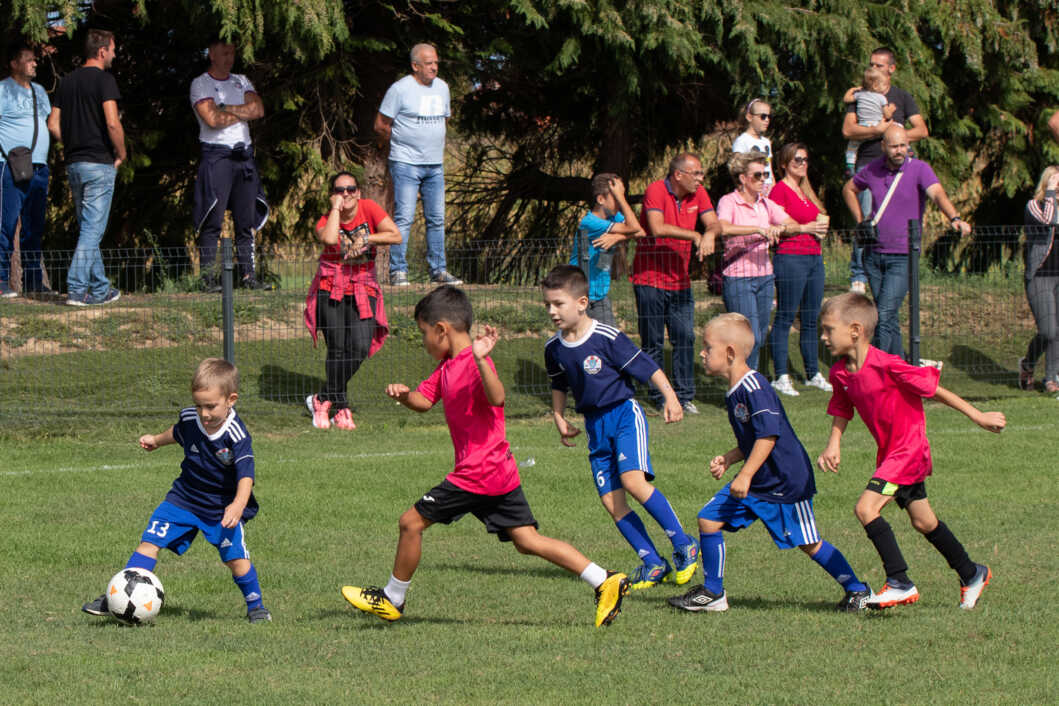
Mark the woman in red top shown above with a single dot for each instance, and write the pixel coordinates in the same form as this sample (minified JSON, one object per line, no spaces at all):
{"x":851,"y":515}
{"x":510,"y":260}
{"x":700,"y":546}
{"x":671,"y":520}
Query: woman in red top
{"x":344,"y":300}
{"x":799,"y":268}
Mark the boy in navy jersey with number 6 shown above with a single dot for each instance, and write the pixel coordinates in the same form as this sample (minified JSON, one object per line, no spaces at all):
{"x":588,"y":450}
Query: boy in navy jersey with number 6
{"x":599,"y":363}
{"x":775,"y":484}
{"x":214,"y":492}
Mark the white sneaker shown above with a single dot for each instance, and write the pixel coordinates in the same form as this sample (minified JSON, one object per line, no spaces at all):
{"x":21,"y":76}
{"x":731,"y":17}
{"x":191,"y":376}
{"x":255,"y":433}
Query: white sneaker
{"x":928,"y":363}
{"x":970,"y":593}
{"x":783,"y":385}
{"x":858,"y":287}
{"x":819,"y":382}
{"x":890,"y":596}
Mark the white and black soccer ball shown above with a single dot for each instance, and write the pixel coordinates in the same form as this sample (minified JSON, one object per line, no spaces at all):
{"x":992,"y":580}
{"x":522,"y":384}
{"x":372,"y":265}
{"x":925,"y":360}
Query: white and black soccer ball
{"x":135,"y":596}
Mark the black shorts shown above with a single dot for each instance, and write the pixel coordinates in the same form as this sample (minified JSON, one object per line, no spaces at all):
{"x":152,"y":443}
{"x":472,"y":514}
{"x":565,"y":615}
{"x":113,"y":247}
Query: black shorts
{"x":903,"y":494}
{"x":446,"y":503}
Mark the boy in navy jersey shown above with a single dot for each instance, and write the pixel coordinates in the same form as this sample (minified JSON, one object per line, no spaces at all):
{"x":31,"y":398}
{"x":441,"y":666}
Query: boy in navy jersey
{"x":599,"y":363}
{"x":775,"y":484}
{"x":214,"y":492}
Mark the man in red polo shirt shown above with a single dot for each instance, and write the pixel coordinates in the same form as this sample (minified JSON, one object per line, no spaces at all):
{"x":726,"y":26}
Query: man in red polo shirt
{"x":672,"y":207}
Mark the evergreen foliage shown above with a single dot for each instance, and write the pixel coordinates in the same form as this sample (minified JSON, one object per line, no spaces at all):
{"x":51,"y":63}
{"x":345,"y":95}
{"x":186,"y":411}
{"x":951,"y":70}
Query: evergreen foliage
{"x":547,"y":91}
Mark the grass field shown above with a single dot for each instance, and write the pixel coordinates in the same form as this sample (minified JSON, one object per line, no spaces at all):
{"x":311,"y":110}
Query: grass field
{"x":487,"y":625}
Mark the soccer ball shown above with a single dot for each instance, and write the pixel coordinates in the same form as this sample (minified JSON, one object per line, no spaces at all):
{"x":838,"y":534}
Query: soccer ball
{"x":135,"y":596}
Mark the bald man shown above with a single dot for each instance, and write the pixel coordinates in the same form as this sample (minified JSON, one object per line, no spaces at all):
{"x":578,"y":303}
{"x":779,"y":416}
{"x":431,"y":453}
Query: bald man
{"x":886,"y":261}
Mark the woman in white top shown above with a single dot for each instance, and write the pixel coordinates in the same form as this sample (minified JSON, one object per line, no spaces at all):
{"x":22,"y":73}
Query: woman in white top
{"x":758,"y":117}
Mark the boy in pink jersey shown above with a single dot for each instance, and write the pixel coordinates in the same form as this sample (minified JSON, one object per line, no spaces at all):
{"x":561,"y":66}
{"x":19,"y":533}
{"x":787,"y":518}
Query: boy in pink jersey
{"x":888,"y":393}
{"x":485,"y":480}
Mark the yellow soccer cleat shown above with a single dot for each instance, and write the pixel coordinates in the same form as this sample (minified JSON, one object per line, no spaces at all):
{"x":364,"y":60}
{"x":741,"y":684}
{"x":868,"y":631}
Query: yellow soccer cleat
{"x":685,"y":561}
{"x":608,"y":597}
{"x":372,"y":600}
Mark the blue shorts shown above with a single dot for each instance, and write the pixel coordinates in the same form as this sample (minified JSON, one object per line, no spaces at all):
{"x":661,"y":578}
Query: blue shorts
{"x":790,"y":524}
{"x":175,"y":528}
{"x":617,"y":443}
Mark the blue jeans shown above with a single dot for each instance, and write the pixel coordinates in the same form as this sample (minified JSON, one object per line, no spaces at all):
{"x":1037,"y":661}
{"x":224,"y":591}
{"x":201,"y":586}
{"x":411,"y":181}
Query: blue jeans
{"x":92,"y":186}
{"x":661,"y":309}
{"x":799,"y":288}
{"x":888,"y":279}
{"x":856,"y":255}
{"x":751,"y":297}
{"x":27,"y":201}
{"x":409,"y":181}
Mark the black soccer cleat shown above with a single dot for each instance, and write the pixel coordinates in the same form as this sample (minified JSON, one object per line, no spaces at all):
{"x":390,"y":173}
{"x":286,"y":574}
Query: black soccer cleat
{"x":259,"y":615}
{"x":854,"y":601}
{"x":96,"y":607}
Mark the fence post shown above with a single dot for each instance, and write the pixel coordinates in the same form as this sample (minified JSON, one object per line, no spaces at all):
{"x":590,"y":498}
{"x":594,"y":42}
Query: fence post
{"x":915,"y":244}
{"x":227,"y":311}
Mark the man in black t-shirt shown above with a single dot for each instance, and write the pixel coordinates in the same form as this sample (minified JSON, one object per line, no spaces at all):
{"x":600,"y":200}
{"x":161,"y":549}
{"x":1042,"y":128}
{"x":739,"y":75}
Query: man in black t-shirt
{"x":906,"y":114}
{"x":84,"y":117}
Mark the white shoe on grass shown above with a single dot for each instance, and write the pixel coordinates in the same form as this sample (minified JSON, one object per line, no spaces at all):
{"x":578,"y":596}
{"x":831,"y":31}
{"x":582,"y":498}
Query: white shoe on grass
{"x":784,"y":386}
{"x":819,"y":382}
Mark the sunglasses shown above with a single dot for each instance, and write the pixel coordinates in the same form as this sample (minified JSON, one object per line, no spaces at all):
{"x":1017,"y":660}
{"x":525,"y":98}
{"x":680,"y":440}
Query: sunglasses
{"x":757,"y":176}
{"x":763,"y":116}
{"x":699,"y":174}
{"x":345,"y":190}
{"x":801,"y":160}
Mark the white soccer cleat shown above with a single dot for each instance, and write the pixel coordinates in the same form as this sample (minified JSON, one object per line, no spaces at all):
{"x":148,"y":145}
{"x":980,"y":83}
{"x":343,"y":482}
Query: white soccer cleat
{"x":890,"y":596}
{"x":970,"y":593}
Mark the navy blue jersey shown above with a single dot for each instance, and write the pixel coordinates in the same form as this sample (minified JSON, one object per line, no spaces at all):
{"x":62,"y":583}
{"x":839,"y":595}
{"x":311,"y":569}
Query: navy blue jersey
{"x":212,"y":466}
{"x":599,"y":369}
{"x":754,"y":411}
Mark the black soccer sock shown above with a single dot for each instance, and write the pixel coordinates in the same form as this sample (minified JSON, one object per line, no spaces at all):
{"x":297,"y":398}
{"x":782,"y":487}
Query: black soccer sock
{"x":945,"y":542}
{"x":882,"y":536}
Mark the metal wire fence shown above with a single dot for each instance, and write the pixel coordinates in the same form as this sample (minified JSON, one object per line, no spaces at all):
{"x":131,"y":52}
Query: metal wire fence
{"x":137,"y":354}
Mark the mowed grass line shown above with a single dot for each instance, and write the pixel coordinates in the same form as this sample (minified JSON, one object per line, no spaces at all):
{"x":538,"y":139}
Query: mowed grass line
{"x":487,"y":625}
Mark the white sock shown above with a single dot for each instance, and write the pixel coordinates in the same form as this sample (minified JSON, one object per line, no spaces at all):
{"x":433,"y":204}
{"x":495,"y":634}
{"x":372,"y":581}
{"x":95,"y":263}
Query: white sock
{"x":395,"y":590}
{"x":594,"y":575}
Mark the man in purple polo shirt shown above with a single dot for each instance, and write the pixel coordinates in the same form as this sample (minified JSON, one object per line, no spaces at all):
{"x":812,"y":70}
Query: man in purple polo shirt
{"x":886,"y":262}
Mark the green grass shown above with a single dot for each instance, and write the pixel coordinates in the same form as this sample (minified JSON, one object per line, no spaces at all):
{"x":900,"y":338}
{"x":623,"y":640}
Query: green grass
{"x":487,"y":625}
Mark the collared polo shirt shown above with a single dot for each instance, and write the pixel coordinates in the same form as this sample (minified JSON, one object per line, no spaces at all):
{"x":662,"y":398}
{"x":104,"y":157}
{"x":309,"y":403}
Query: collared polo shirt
{"x":663,"y":262}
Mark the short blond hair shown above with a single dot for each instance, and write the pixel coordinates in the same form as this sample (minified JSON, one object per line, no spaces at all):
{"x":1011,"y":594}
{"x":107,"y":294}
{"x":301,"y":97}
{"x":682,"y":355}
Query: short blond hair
{"x":741,"y":161}
{"x":852,"y":307}
{"x":874,"y":80}
{"x":216,"y":372}
{"x":733,"y":329}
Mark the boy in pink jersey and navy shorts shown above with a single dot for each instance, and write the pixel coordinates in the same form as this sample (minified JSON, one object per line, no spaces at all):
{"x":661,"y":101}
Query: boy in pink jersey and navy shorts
{"x":485,"y":481}
{"x":888,"y":394}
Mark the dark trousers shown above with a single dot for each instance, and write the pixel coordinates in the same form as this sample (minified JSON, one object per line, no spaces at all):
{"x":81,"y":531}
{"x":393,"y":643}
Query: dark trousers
{"x":348,"y":338}
{"x":235,"y":186}
{"x":660,"y":310}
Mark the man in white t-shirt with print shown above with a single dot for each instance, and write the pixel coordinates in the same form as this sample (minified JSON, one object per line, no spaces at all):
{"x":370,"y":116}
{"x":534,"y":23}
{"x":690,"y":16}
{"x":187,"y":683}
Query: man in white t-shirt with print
{"x":412,"y":119}
{"x":224,"y":104}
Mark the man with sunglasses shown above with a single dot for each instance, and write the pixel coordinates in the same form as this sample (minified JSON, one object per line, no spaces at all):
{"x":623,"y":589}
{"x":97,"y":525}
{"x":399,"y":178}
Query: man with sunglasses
{"x":224,"y":104}
{"x":412,"y":119}
{"x":672,"y":209}
{"x":905,"y":114}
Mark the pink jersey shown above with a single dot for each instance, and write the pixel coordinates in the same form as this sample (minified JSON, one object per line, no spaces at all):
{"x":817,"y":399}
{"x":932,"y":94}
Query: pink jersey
{"x":888,"y":394}
{"x":484,"y":464}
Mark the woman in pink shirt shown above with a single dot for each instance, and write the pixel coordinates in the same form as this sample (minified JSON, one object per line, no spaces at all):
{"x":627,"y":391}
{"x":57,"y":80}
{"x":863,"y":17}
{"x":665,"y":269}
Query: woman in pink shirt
{"x":345,"y":300}
{"x":799,"y":269}
{"x":749,"y":224}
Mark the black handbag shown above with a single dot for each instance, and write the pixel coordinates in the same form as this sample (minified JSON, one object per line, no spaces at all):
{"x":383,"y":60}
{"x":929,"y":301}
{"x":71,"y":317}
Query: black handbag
{"x":20,"y":159}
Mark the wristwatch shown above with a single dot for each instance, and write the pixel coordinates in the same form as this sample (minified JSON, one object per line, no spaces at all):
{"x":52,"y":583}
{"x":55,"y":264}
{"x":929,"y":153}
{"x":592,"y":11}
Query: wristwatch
{"x":952,"y":221}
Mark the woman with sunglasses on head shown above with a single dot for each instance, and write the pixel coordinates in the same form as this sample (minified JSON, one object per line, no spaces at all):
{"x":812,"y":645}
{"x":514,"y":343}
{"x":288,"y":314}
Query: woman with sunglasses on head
{"x":799,"y":267}
{"x":750,"y":223}
{"x":758,"y":119}
{"x":345,"y":300}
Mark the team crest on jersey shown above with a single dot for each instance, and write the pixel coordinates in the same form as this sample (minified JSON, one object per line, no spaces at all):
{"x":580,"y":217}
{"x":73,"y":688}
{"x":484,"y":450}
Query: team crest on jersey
{"x":741,"y":412}
{"x":225,"y":456}
{"x":592,"y":364}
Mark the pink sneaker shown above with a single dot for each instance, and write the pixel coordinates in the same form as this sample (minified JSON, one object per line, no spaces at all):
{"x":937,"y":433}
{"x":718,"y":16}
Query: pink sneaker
{"x":343,"y":419}
{"x":320,"y":410}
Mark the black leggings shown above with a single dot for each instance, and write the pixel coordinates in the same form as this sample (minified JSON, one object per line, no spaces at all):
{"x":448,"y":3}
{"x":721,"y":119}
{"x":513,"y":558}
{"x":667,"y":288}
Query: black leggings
{"x":348,"y":339}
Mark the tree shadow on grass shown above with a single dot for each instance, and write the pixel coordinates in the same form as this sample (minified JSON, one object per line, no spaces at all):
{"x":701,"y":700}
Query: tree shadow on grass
{"x":277,"y":384}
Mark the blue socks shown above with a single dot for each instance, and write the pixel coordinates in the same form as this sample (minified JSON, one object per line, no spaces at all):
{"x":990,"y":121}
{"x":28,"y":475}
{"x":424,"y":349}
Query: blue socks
{"x":140,"y":561}
{"x":663,"y":514}
{"x":712,"y":554}
{"x":251,"y":589}
{"x":835,"y":564}
{"x":631,"y":527}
